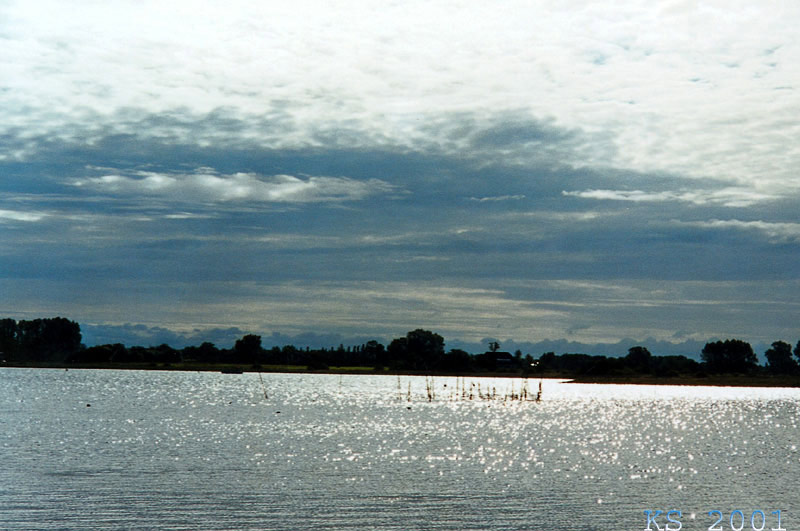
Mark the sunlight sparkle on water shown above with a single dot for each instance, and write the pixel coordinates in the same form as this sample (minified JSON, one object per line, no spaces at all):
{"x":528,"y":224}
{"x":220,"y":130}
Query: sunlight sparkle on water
{"x":356,"y":453}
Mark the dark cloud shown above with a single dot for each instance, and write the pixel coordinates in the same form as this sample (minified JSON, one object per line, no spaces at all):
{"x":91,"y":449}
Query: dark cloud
{"x":689,"y":348}
{"x":475,"y":202}
{"x":513,"y":133}
{"x":142,"y":335}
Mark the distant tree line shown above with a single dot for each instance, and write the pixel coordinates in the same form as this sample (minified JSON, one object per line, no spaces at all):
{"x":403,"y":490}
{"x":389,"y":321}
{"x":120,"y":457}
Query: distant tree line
{"x":57,"y":341}
{"x":39,"y":340}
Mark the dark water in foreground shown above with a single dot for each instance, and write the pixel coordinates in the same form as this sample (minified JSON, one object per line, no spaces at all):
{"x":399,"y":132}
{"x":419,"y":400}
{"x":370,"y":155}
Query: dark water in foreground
{"x":189,"y":451}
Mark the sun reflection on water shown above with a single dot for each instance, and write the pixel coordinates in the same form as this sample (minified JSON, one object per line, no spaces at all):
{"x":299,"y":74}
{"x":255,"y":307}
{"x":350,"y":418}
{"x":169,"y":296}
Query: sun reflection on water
{"x":356,"y":453}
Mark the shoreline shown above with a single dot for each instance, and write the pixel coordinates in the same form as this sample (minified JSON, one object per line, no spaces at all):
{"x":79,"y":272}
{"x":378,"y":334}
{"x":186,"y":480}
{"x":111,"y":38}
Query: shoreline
{"x":724,"y":380}
{"x":714,"y":380}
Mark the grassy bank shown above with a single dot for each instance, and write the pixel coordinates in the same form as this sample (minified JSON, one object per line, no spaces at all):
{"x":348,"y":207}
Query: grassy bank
{"x":725,"y":380}
{"x":194,"y":367}
{"x":731,"y":380}
{"x":245,"y":368}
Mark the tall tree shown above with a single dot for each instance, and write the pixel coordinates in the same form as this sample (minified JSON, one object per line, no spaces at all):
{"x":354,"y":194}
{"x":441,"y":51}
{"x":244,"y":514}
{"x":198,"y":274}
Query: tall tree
{"x":8,"y":338}
{"x":419,"y":350}
{"x":779,"y":358}
{"x":396,"y":352}
{"x":48,"y":339}
{"x":731,"y":355}
{"x":639,"y":359}
{"x":248,"y":349}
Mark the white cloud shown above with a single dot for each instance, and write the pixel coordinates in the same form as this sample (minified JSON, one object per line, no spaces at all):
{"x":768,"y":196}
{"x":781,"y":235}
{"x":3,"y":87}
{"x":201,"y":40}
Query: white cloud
{"x":622,"y":195}
{"x":495,"y":198}
{"x":776,"y":232}
{"x":187,"y":215}
{"x":365,"y":307}
{"x":206,"y":186}
{"x":703,"y":90}
{"x":730,"y":197}
{"x":548,"y":215}
{"x":17,"y":215}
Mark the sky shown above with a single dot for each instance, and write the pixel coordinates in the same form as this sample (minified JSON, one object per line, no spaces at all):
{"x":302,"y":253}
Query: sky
{"x":590,"y":174}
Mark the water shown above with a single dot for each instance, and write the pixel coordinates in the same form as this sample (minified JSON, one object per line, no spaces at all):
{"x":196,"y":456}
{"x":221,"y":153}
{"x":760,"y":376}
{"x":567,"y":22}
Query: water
{"x":84,"y":449}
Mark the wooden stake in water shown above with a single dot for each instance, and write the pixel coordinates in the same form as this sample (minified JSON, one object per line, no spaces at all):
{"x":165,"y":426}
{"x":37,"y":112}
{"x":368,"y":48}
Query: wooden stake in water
{"x":263,"y":387}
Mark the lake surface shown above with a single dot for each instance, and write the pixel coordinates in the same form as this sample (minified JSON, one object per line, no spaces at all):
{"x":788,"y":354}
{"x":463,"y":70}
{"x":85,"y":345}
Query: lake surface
{"x":90,"y":449}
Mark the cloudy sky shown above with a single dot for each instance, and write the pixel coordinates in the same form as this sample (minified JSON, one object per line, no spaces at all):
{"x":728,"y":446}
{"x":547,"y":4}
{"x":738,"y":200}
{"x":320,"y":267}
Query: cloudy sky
{"x":584,"y":171}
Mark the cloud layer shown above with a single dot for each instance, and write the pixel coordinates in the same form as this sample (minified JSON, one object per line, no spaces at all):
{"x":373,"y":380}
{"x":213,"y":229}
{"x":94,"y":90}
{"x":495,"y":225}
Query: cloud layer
{"x":527,"y":171}
{"x":204,"y":185}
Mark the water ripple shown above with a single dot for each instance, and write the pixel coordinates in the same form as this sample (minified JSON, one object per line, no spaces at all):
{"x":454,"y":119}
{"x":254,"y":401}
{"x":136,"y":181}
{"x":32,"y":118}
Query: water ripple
{"x":170,"y":450}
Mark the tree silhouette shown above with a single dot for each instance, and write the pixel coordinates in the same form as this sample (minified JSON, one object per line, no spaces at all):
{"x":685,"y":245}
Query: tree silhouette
{"x":248,"y":349}
{"x":48,"y":339}
{"x":731,"y":355}
{"x":419,"y":350}
{"x":8,"y":338}
{"x":779,"y":358}
{"x":639,"y":358}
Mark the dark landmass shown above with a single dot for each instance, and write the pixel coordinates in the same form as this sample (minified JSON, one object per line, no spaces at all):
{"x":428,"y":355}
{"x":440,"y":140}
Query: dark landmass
{"x":716,"y":380}
{"x":56,"y":343}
